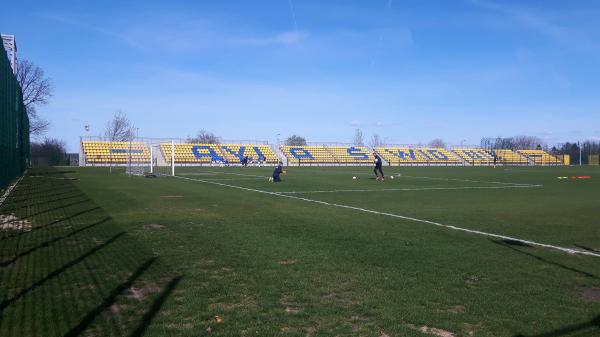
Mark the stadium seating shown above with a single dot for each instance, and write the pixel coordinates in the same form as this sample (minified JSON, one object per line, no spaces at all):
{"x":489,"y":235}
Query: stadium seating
{"x":104,"y":153}
{"x":235,"y":152}
{"x":190,"y":153}
{"x":541,"y":157}
{"x":308,"y":155}
{"x":509,"y":157}
{"x":210,"y":153}
{"x":475,"y":156}
{"x":417,"y":156}
{"x":326,"y":154}
{"x":350,"y":154}
{"x":101,"y":152}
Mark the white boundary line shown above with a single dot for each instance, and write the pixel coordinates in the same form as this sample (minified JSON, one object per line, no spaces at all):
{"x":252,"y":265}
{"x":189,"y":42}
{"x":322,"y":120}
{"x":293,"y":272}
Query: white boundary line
{"x":498,"y":236}
{"x":10,"y":189}
{"x":414,"y":189}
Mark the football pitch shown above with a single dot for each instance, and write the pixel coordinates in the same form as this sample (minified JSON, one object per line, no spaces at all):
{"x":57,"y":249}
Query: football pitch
{"x":436,"y":251}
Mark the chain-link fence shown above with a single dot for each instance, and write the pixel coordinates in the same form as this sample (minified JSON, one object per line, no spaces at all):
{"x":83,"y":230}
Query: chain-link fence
{"x":14,"y":125}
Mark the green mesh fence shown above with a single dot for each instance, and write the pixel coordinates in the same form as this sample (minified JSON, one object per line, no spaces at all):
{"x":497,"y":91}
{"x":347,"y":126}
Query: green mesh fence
{"x":14,"y":125}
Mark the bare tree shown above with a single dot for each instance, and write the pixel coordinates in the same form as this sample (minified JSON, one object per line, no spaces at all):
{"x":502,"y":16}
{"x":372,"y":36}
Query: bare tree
{"x":295,"y":140}
{"x":49,"y":152}
{"x":204,"y":137}
{"x":375,"y":141}
{"x":438,"y":142}
{"x":527,"y":142}
{"x":120,"y":128}
{"x":358,"y":138}
{"x":37,"y":90}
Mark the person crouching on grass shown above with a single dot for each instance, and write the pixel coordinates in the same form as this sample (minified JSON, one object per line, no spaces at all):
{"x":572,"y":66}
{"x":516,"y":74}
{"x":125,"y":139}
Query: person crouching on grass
{"x":378,"y":167}
{"x":277,"y":172}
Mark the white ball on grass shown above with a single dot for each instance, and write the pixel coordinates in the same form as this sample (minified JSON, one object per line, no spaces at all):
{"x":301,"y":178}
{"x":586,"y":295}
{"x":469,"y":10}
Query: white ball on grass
{"x":354,"y":177}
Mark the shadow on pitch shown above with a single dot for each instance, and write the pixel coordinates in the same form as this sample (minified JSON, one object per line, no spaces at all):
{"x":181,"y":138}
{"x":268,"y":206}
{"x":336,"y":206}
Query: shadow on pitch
{"x":51,"y":241}
{"x":591,"y":326}
{"x":56,"y":272}
{"x":586,"y":248}
{"x":511,"y":244}
{"x":75,"y":266}
{"x":155,"y":308}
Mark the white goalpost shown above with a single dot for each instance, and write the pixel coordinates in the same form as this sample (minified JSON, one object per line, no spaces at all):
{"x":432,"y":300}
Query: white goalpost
{"x":162,"y":154}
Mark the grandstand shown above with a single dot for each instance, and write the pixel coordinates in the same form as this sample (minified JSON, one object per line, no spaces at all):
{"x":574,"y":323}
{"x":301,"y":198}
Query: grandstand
{"x":307,"y":154}
{"x":475,"y":156}
{"x":101,"y":152}
{"x":350,"y":154}
{"x":189,"y":153}
{"x":541,"y":157}
{"x":196,"y":153}
{"x":325,"y":154}
{"x":104,"y":152}
{"x":234,"y":153}
{"x":509,"y":157}
{"x":417,"y":156}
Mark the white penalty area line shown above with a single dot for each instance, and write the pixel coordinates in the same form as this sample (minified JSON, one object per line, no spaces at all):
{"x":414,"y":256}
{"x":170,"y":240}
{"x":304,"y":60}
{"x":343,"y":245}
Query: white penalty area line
{"x":236,"y":179}
{"x":468,"y":180}
{"x":239,"y":174}
{"x":415,"y":189}
{"x":497,"y":236}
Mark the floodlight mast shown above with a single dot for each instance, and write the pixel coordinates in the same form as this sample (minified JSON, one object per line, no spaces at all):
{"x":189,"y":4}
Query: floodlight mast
{"x":10,"y":45}
{"x":172,"y":158}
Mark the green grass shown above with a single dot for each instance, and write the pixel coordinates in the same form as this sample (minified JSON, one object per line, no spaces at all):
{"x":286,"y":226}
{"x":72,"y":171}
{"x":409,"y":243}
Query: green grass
{"x":129,"y":256}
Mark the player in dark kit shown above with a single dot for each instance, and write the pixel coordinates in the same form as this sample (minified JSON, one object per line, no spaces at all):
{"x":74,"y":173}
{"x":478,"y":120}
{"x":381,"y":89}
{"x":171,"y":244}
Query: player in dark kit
{"x":378,"y":167}
{"x":277,"y":172}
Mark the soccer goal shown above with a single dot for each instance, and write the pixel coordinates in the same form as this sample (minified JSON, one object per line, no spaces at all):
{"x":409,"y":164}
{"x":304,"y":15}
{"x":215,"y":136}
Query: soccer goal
{"x":162,"y":154}
{"x":139,"y":156}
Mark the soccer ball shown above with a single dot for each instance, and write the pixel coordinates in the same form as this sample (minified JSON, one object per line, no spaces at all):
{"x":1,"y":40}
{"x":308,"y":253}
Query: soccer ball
{"x":391,"y":177}
{"x":354,"y":178}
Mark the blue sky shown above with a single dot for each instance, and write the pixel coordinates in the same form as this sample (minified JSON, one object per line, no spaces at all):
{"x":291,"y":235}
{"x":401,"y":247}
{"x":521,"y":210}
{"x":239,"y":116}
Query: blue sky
{"x":410,"y":70}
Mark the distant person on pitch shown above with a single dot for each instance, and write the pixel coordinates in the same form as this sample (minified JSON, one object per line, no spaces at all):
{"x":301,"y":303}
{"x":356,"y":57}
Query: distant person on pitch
{"x":378,"y":167}
{"x":277,"y":172}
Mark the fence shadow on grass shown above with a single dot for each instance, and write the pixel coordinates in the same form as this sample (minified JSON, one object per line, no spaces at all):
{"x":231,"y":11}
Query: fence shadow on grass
{"x":109,"y":300}
{"x":591,"y":326}
{"x":505,"y":243}
{"x":586,"y":248}
{"x":71,"y":267}
{"x":49,"y":242}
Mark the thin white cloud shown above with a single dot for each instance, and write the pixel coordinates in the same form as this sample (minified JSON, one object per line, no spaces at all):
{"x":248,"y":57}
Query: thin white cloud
{"x":536,"y":20}
{"x":176,"y":34}
{"x":283,"y":39}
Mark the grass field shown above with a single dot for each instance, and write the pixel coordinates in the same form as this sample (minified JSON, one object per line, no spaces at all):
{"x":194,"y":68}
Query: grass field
{"x":223,"y":252}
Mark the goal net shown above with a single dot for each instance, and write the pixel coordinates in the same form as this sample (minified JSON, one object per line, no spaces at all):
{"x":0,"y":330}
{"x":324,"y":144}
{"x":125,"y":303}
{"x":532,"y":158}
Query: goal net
{"x":162,"y":155}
